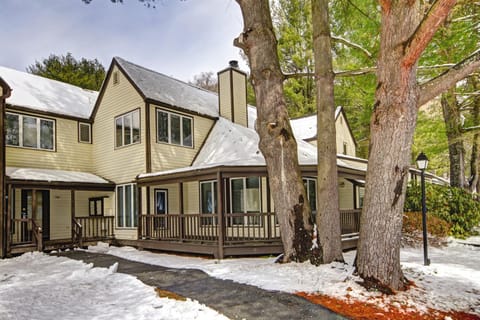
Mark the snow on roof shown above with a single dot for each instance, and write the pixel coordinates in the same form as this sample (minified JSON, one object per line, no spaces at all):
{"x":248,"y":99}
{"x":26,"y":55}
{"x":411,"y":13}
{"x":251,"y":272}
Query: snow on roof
{"x":39,"y":93}
{"x":52,"y":175}
{"x":159,"y":87}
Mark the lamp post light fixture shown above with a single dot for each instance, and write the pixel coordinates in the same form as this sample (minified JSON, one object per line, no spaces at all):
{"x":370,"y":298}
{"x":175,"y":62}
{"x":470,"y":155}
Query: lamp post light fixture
{"x":422,"y":164}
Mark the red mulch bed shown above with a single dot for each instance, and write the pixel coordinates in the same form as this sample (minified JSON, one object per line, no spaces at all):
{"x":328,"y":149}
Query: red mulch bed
{"x":358,"y":310}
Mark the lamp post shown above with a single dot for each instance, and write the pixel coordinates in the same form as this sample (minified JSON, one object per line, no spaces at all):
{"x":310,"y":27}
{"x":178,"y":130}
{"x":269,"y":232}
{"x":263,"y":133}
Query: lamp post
{"x":422,"y":163}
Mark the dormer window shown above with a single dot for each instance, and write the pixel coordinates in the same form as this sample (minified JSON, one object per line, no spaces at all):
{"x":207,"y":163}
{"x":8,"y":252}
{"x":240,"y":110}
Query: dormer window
{"x":174,"y":128}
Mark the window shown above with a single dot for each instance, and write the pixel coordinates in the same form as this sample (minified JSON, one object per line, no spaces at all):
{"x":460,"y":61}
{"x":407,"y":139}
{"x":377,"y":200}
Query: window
{"x":174,"y":129}
{"x":344,"y":147}
{"x":311,"y":190}
{"x":29,"y":132}
{"x":95,"y":206}
{"x":245,"y":198}
{"x":127,"y":129}
{"x":161,"y":208}
{"x":84,"y":133}
{"x":208,"y":201}
{"x":127,"y":215}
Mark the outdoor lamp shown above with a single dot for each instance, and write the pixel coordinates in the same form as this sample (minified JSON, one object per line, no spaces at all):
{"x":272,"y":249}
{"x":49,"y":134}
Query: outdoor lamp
{"x":422,"y":163}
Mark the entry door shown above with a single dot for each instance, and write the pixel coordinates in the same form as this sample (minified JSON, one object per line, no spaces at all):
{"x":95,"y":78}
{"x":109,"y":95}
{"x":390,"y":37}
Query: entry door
{"x":42,"y":199}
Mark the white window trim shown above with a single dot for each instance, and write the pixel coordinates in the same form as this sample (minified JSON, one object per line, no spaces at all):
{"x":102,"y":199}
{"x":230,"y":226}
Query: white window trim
{"x":133,"y":202}
{"x":20,"y":132}
{"x":307,"y":190}
{"x":89,"y":132}
{"x":131,"y":129}
{"x":181,"y":116}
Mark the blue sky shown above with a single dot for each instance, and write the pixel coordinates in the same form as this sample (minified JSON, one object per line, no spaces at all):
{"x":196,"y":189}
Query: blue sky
{"x":177,"y":38}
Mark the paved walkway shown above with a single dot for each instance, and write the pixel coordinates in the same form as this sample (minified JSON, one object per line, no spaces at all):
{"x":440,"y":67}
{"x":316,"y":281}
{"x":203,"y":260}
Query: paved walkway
{"x":234,"y":300}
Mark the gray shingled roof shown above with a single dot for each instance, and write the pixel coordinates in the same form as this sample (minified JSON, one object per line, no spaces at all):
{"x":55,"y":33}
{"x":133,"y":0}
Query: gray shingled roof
{"x":170,"y":91}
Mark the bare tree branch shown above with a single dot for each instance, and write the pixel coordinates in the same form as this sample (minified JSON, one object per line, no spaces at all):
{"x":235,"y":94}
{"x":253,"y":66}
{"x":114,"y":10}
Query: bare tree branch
{"x":447,"y":79}
{"x":352,"y":44}
{"x":425,"y":31}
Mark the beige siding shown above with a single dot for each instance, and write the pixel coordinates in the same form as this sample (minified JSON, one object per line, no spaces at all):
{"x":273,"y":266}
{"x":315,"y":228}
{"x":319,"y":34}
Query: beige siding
{"x":345,"y":194}
{"x":69,"y":154}
{"x":120,"y":165}
{"x":225,"y":94}
{"x":191,"y":194}
{"x":173,"y":205}
{"x":239,"y":98}
{"x":168,"y":156}
{"x":60,"y":214}
{"x":344,"y":137}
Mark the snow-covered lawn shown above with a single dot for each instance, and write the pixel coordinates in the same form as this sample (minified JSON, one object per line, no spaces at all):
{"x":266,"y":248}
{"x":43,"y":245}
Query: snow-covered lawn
{"x":38,"y":286}
{"x":451,"y":282}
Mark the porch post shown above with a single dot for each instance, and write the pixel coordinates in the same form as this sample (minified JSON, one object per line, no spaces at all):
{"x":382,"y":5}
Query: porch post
{"x":10,"y":205}
{"x":221,"y":222}
{"x":148,"y":220}
{"x":72,"y":211}
{"x":139,"y":212}
{"x":355,"y":204}
{"x":34,"y":205}
{"x":269,"y":208}
{"x":181,"y":210}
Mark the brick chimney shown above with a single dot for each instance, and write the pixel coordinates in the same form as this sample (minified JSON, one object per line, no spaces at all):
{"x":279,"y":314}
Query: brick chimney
{"x":232,"y":94}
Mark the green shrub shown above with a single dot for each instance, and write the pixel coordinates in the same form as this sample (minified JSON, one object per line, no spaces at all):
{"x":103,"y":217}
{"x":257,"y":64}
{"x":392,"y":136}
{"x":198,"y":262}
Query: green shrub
{"x":454,"y":205}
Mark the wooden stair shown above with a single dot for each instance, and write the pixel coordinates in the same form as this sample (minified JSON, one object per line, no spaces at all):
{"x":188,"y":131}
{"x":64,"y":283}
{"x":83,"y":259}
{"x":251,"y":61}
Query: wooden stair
{"x":22,"y":248}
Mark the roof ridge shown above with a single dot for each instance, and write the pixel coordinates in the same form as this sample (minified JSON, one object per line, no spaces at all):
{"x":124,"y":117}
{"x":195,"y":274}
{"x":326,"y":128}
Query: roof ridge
{"x":164,"y":75}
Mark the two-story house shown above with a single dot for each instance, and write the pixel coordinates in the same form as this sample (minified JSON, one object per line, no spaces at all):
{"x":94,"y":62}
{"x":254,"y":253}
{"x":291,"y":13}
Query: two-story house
{"x":149,"y":161}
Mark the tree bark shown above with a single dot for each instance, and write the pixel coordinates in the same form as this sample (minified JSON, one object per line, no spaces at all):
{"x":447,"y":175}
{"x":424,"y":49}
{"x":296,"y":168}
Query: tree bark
{"x":456,"y":151}
{"x":328,"y":212}
{"x":277,"y":142}
{"x":475,"y":157}
{"x":392,"y":126}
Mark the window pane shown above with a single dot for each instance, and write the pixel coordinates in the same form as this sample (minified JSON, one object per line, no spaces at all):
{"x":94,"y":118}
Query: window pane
{"x":312,"y":195}
{"x":162,"y":126}
{"x":161,"y":201}
{"x":134,"y":209}
{"x":92,"y":207}
{"x":120,"y":211}
{"x":46,"y":134}
{"x":187,"y":132}
{"x":29,"y":132}
{"x":84,"y":132}
{"x":206,"y":191}
{"x":12,"y":130}
{"x":118,"y":132}
{"x":127,"y":125}
{"x":253,"y":194}
{"x":128,"y":205}
{"x":136,"y":127}
{"x":175,"y":129}
{"x":237,"y":195}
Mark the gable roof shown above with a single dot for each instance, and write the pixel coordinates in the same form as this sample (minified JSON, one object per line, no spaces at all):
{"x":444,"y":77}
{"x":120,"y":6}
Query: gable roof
{"x":6,"y":88}
{"x":165,"y":90}
{"x":305,"y":128}
{"x":41,"y":94}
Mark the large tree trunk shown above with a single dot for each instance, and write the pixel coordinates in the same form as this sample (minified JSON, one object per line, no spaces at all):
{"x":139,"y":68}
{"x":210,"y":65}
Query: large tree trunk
{"x":456,"y":151}
{"x":392,"y":126}
{"x":277,"y":142}
{"x":475,"y":158}
{"x":328,"y":213}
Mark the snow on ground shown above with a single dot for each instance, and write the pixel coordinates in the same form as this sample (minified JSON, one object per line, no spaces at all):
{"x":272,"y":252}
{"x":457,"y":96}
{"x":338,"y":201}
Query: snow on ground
{"x":38,"y":286}
{"x":451,"y":282}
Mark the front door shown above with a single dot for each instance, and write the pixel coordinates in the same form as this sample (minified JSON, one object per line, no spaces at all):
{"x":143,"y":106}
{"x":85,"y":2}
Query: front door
{"x":42,"y":205}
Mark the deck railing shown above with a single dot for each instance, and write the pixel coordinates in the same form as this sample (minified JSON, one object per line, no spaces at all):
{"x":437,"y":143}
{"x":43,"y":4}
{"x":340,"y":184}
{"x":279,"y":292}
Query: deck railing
{"x":26,"y":232}
{"x":237,"y":227}
{"x":93,"y":228}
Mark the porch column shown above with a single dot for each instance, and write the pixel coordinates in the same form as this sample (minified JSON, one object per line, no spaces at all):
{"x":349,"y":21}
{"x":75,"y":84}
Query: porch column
{"x":269,"y":209}
{"x":34,"y":205}
{"x":139,"y":212}
{"x":148,"y":219}
{"x":221,"y":222}
{"x":355,"y":202}
{"x":181,"y":210}
{"x":10,"y":207}
{"x":72,"y":211}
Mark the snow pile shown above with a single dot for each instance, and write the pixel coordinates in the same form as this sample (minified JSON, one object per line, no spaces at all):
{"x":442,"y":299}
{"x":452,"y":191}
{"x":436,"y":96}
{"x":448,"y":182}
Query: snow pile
{"x":451,"y":282}
{"x":37,"y":286}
